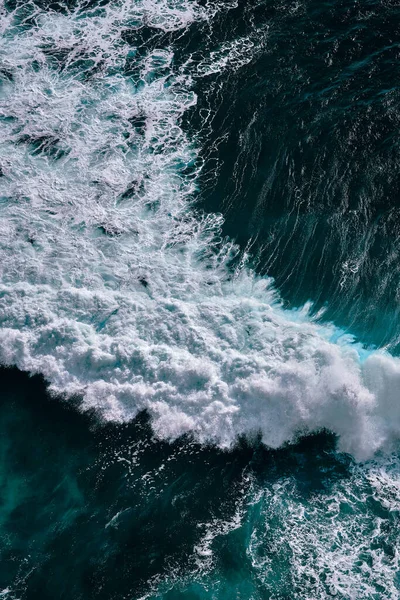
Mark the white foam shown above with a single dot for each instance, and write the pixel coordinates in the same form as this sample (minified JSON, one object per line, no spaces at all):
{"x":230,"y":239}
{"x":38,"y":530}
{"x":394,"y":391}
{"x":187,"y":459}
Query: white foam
{"x":127,"y":298}
{"x":234,"y":54}
{"x":331,"y":543}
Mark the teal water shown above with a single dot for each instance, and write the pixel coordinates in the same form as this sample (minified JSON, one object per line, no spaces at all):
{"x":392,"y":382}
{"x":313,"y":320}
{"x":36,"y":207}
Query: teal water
{"x":199,"y":300}
{"x":110,"y":512}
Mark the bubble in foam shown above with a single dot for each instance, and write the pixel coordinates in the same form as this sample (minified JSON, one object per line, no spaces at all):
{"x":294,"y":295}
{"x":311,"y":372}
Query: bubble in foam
{"x":114,"y":288}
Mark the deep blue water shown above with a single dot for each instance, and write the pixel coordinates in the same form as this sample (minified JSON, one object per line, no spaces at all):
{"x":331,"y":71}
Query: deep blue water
{"x":306,"y":141}
{"x":199,"y":300}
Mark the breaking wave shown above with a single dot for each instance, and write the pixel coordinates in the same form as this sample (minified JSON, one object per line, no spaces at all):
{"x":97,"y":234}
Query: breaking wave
{"x":113,"y":285}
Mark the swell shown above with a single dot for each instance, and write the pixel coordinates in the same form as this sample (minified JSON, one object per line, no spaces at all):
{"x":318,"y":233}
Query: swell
{"x":113,"y":285}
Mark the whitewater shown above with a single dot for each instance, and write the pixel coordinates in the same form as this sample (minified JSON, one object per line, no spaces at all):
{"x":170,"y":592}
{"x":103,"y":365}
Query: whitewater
{"x":114,"y":286}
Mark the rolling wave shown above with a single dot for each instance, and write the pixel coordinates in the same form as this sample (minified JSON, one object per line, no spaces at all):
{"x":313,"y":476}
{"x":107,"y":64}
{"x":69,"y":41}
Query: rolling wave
{"x":113,"y":285}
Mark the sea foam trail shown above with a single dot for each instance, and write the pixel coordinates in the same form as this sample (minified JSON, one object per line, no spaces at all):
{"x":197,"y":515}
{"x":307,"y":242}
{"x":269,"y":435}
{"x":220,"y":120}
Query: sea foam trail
{"x":113,"y":288}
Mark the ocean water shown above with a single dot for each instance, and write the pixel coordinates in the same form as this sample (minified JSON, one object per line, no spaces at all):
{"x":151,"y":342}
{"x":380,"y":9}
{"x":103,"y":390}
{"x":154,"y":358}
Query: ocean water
{"x":199,"y":334}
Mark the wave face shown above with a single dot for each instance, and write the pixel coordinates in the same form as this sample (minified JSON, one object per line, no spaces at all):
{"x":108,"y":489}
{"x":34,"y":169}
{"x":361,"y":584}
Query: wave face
{"x":114,"y":286}
{"x":307,"y":157}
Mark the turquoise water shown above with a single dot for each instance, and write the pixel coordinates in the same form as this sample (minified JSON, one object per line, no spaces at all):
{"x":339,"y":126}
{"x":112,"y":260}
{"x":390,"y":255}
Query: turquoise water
{"x":110,"y":512}
{"x":199,"y":300}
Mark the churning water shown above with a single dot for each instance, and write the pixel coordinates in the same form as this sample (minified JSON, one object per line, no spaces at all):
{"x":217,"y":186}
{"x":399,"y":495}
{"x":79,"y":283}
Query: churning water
{"x":199,"y":253}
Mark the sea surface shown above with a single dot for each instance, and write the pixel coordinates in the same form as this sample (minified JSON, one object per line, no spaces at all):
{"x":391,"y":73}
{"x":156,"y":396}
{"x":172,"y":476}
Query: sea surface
{"x":199,"y":299}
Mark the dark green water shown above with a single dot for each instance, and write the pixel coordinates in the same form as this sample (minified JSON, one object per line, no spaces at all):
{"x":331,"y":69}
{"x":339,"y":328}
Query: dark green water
{"x":124,"y":124}
{"x":109,"y":512}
